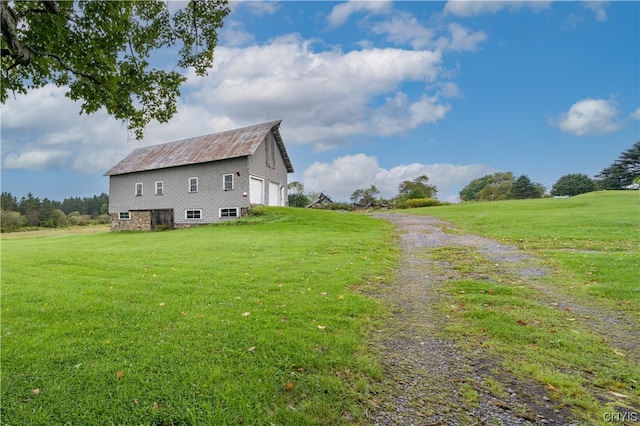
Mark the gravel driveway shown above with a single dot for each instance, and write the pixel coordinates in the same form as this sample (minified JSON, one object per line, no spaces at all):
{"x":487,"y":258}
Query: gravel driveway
{"x":429,"y":377}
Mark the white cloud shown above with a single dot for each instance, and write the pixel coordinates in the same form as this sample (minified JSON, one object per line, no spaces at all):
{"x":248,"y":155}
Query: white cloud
{"x":44,"y":130}
{"x":449,"y":90}
{"x":599,"y":8}
{"x":344,"y":175}
{"x":259,"y":8}
{"x":36,"y":159}
{"x":343,"y":11}
{"x":404,"y":28}
{"x":233,"y":34}
{"x":589,"y":117}
{"x":635,"y":115}
{"x":325,"y":96}
{"x":468,"y":8}
{"x":461,"y":39}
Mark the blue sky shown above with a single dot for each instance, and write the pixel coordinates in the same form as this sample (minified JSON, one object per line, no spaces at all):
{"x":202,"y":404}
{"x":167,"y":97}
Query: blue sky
{"x":376,"y":93}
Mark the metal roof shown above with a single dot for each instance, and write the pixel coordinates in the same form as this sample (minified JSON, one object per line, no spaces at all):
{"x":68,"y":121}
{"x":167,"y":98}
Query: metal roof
{"x":202,"y":149}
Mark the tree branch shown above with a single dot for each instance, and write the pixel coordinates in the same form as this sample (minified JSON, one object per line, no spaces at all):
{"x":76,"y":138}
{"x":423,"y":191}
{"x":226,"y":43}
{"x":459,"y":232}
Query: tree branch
{"x":52,"y":6}
{"x":63,"y":65}
{"x":17,"y":50}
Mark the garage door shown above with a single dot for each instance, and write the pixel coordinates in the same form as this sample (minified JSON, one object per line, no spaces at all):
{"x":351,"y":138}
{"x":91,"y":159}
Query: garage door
{"x":256,"y":191}
{"x":274,"y":194}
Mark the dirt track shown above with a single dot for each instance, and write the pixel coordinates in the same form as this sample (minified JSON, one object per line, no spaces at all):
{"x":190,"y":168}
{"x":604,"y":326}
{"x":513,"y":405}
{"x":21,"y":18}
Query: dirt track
{"x":430,"y":377}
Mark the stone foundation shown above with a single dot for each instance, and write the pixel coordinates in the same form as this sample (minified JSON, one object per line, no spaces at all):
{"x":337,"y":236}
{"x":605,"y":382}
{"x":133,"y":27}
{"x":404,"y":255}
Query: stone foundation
{"x":140,"y":221}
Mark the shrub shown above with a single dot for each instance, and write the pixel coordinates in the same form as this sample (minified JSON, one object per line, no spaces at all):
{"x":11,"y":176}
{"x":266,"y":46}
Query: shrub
{"x":75,"y":218}
{"x":103,"y":219}
{"x":298,"y":200}
{"x":57,"y":219}
{"x":573,"y":184}
{"x":257,"y":211}
{"x":12,"y":221}
{"x":413,"y":203}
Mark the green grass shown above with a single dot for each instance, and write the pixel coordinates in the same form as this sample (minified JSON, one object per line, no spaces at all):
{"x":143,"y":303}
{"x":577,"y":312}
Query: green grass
{"x":589,"y":244}
{"x":593,"y":240}
{"x":252,"y":324}
{"x":263,"y":320}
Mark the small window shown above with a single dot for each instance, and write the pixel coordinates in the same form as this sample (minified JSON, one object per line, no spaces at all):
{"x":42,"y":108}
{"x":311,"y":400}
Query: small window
{"x":159,"y":187}
{"x":229,"y":212}
{"x":193,"y":214}
{"x":124,"y":215}
{"x":138,"y":189}
{"x":193,"y":184}
{"x":227,"y":182}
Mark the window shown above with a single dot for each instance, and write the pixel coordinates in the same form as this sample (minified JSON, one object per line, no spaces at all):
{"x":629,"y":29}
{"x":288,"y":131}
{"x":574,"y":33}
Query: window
{"x":138,"y":189}
{"x":227,"y":182}
{"x":193,"y":184}
{"x":229,"y":212}
{"x":193,"y":214}
{"x":124,"y":215}
{"x":159,"y":187}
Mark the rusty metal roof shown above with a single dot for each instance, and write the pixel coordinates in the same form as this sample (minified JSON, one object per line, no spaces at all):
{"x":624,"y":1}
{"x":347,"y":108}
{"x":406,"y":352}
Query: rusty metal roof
{"x":202,"y":149}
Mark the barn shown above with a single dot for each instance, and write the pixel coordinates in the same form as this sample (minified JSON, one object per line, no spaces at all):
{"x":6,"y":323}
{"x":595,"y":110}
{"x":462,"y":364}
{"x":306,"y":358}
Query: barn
{"x":200,"y":180}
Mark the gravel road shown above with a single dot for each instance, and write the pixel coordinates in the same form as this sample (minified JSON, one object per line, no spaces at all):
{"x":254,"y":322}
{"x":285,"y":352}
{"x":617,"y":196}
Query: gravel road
{"x":430,"y":378}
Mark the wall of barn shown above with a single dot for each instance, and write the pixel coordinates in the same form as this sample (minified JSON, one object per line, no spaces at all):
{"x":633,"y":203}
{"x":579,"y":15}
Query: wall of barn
{"x":209,"y":198}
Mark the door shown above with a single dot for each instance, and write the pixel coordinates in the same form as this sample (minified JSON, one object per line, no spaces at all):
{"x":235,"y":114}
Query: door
{"x":256,"y":191}
{"x":274,"y":194}
{"x":161,"y":219}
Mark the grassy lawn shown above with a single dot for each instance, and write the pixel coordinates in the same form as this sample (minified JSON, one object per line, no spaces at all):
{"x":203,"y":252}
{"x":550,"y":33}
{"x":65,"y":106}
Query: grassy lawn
{"x":253,"y":323}
{"x":589,"y":244}
{"x":263,"y":320}
{"x":593,"y":240}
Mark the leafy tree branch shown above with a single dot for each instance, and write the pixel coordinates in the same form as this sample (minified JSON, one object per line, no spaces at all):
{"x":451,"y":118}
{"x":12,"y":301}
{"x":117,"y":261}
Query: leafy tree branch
{"x":101,"y":51}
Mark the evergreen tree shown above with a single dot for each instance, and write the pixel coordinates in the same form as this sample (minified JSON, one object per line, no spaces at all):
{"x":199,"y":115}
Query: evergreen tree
{"x":573,"y":184}
{"x":523,"y":188}
{"x":621,"y":173}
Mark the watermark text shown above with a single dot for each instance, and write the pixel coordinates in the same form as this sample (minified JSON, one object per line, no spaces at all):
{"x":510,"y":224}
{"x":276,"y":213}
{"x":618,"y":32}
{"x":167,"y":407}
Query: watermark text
{"x":616,"y":417}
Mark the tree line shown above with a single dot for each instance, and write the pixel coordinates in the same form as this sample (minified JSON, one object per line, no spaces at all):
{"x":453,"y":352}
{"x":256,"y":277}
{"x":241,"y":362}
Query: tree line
{"x":31,"y":211}
{"x":411,"y":193}
{"x":623,"y":173}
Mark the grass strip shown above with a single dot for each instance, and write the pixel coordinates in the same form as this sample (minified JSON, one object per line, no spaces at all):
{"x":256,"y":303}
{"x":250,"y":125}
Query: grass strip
{"x":589,"y":244}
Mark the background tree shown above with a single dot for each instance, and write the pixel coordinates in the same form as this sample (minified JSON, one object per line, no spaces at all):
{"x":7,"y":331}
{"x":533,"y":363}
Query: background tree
{"x":100,"y":51}
{"x":488,"y":187}
{"x":623,"y":171}
{"x":501,"y":186}
{"x":297,"y":196}
{"x":11,"y":221}
{"x":573,"y":184}
{"x":417,"y":188}
{"x":29,"y":207}
{"x":523,"y":188}
{"x":8,"y":202}
{"x":56,"y":219}
{"x":32,"y":211}
{"x":364,"y":197}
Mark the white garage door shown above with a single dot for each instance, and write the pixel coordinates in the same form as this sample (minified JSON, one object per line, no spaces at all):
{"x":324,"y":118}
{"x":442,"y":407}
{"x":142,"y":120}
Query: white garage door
{"x":274,"y":194}
{"x":256,"y":191}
